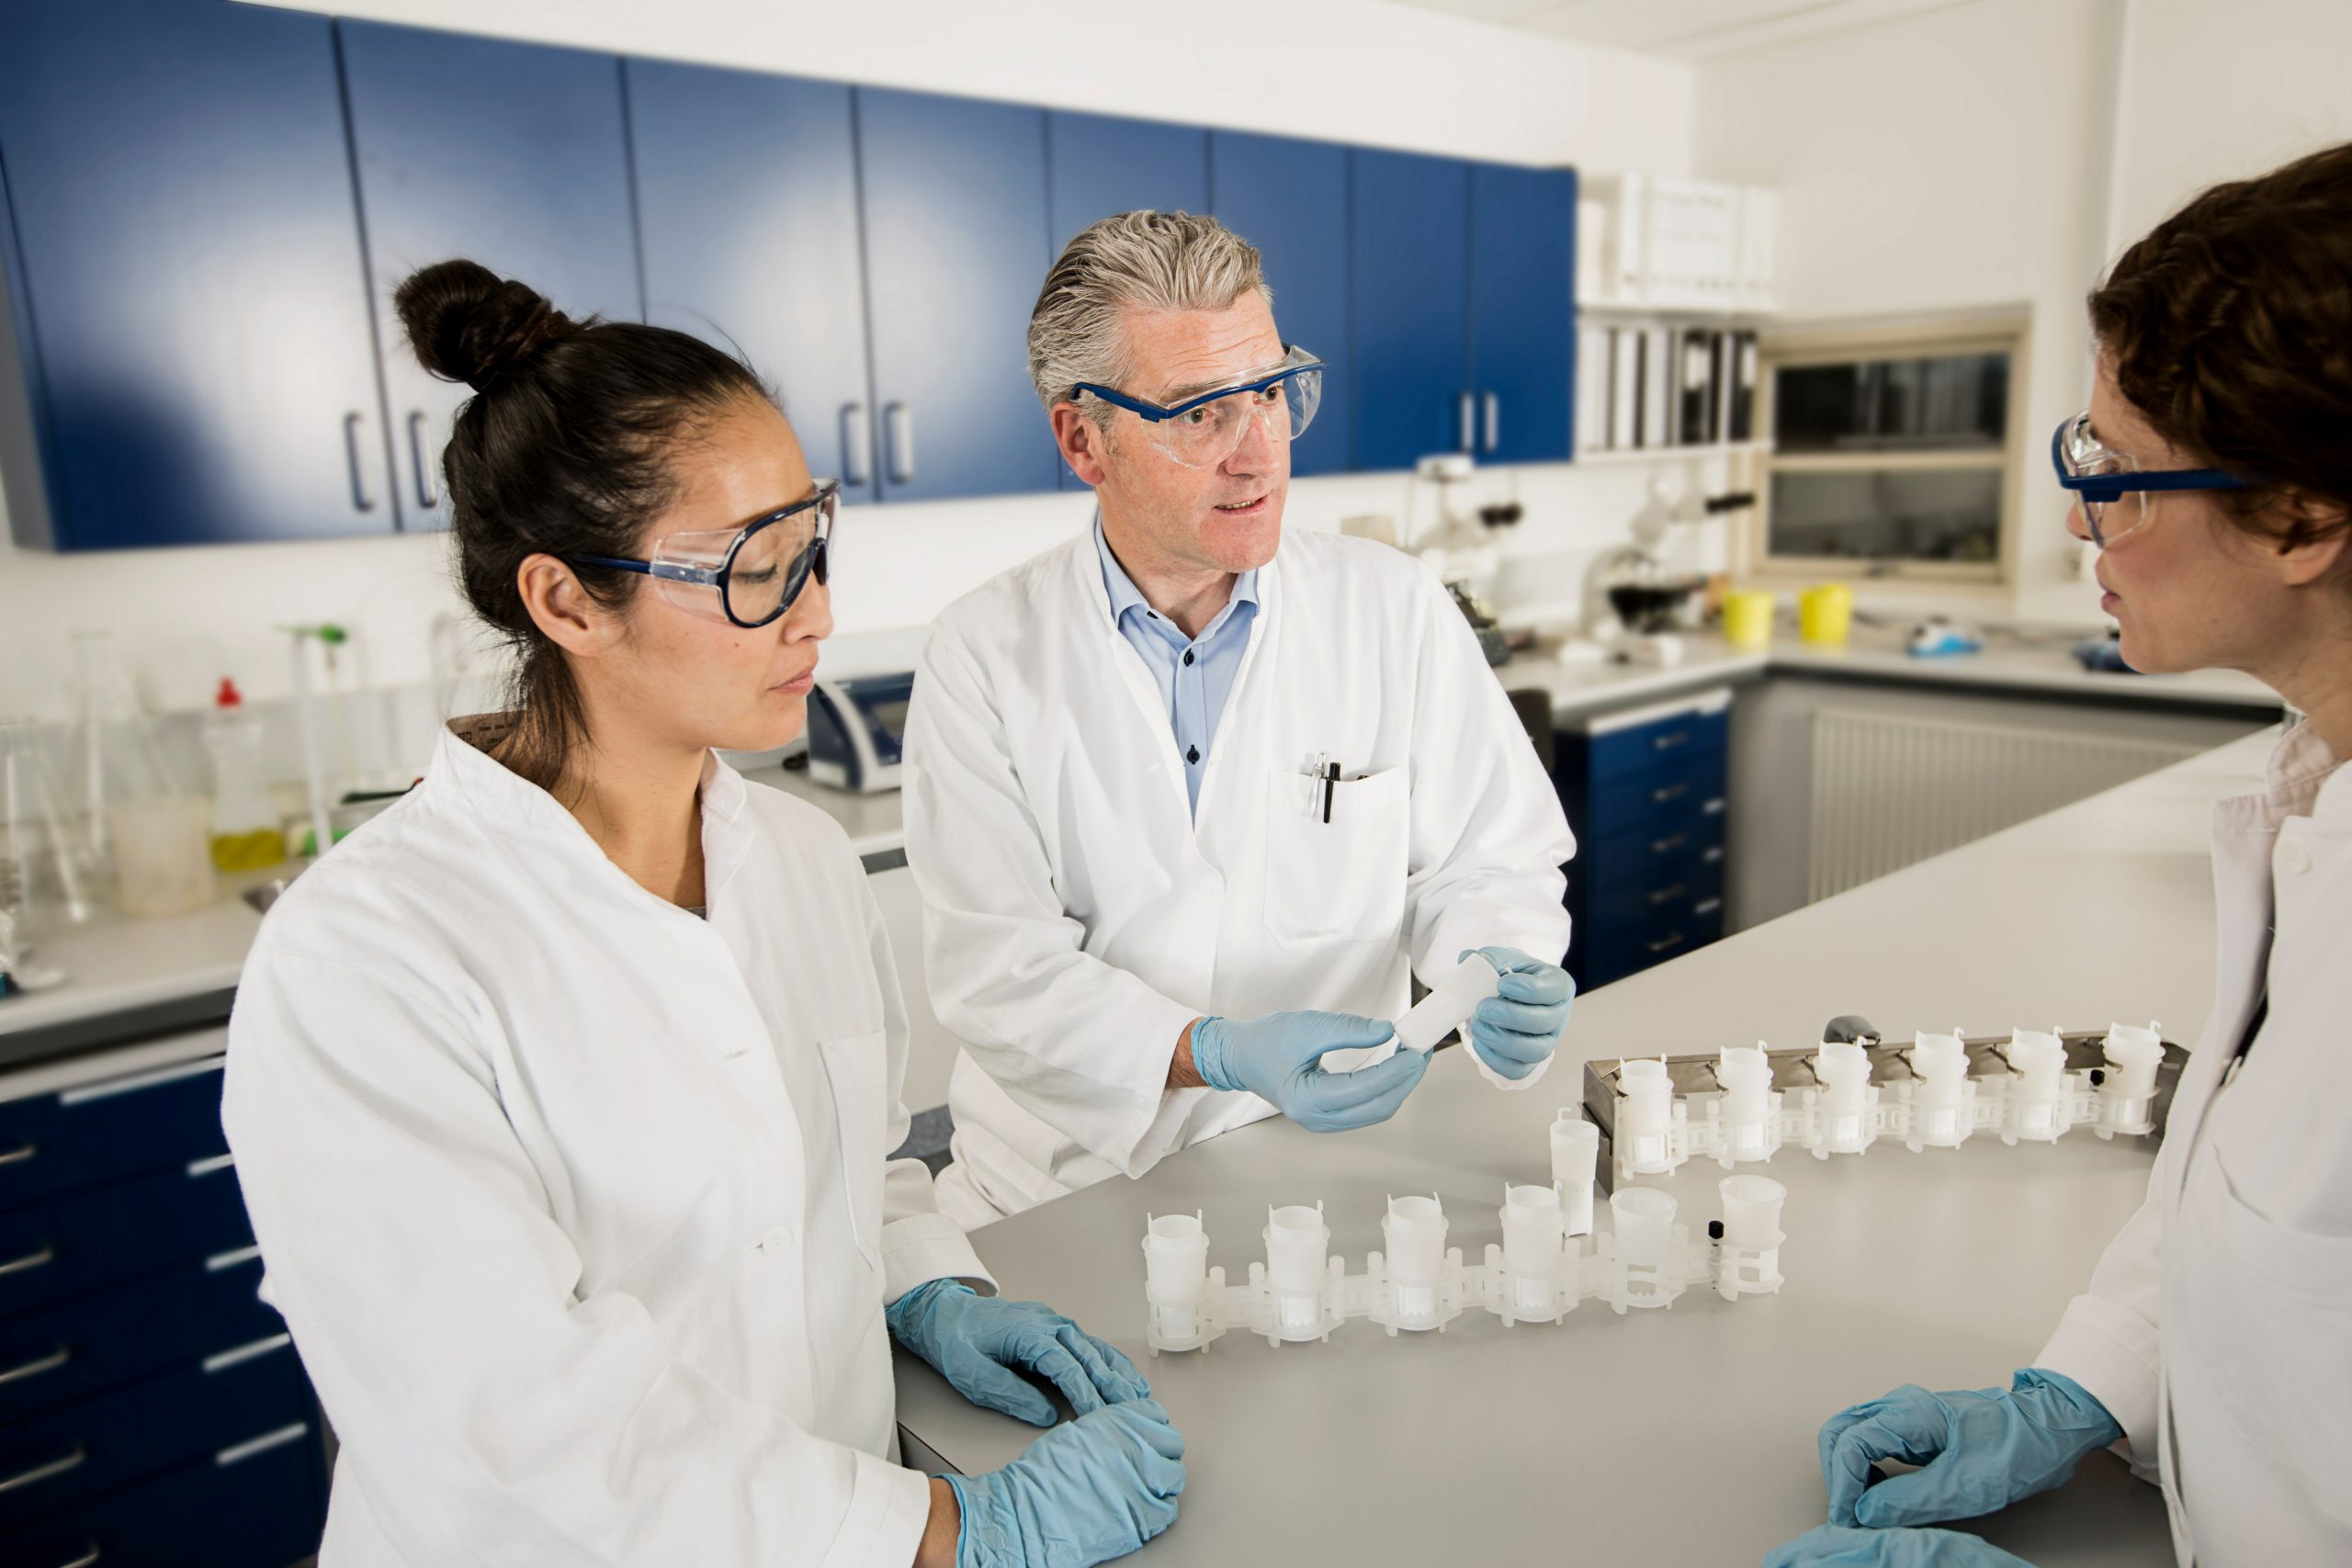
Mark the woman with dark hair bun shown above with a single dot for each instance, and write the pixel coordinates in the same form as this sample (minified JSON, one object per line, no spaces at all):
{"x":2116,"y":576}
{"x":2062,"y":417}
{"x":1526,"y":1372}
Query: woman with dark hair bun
{"x":2214,"y":473}
{"x":562,"y":1093}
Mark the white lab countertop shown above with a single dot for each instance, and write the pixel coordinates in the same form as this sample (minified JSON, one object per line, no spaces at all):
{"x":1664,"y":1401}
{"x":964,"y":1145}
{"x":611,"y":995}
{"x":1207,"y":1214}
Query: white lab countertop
{"x":1687,"y":1435}
{"x":116,"y":966}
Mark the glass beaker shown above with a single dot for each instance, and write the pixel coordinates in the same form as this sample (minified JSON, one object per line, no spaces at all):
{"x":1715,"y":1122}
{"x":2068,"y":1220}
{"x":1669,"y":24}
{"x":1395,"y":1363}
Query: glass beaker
{"x":150,"y":832}
{"x":45,"y":873}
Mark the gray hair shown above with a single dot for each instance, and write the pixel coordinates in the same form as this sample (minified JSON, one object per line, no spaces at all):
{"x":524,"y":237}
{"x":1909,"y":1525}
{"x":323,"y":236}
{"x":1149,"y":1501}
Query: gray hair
{"x":1133,"y":261}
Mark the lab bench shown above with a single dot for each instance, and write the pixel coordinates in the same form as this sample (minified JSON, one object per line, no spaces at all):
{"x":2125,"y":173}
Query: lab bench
{"x":1683,"y":1436}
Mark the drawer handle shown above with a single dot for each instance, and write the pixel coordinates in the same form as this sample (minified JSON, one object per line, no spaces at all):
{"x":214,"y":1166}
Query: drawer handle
{"x":84,"y":1560}
{"x":1671,"y":841}
{"x":34,"y":1369}
{"x":1671,"y":940}
{"x":43,"y":1471}
{"x":1669,"y":894}
{"x":1670,"y":791}
{"x":1668,"y":741}
{"x":29,"y":1261}
{"x":18,"y":1156}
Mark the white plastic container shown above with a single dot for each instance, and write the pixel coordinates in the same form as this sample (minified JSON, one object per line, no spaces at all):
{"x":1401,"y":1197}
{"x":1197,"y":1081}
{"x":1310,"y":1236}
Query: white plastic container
{"x":1750,"y":1112}
{"x":1940,"y":1101}
{"x":1449,"y":1006}
{"x":1176,"y":1275}
{"x":1298,"y":1243}
{"x":1413,"y":1231}
{"x":1576,"y":1161}
{"x":1644,"y":1218}
{"x":1645,"y":1118}
{"x":1535,"y":1241}
{"x":1752,"y":1210}
{"x":2127,"y":1100}
{"x":1843,"y":1067}
{"x":2038,"y":1066}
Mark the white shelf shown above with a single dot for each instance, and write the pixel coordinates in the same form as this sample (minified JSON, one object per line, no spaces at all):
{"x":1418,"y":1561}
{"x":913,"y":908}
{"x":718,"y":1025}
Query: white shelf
{"x":1629,"y":456}
{"x":1679,"y":310}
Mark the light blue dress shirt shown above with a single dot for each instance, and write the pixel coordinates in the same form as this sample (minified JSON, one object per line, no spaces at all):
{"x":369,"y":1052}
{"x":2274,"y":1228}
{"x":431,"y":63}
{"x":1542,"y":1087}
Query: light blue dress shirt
{"x":1194,"y":674}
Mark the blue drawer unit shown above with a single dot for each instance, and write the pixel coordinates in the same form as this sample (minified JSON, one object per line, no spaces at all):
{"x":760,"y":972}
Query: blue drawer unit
{"x":1290,"y":199}
{"x":1647,"y":793}
{"x":152,"y":1406}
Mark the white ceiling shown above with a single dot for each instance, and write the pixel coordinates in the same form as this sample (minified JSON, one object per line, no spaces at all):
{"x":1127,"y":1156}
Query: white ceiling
{"x":1690,"y":29}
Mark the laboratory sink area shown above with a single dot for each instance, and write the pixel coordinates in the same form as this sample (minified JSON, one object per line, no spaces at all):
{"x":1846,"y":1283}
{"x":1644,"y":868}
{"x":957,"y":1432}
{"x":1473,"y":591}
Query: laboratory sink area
{"x":1372,"y":783}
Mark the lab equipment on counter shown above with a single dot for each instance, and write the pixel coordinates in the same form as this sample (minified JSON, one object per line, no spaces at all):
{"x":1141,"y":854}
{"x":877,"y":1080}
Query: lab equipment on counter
{"x":1747,"y":617}
{"x":47,"y":872}
{"x":857,"y":729}
{"x":1826,"y":614}
{"x":151,"y":832}
{"x":2103,"y":655}
{"x":1937,"y":637}
{"x":318,"y":833}
{"x":247,"y":834}
{"x":1538,"y":1273}
{"x":1637,"y":604}
{"x":1745,"y":1104}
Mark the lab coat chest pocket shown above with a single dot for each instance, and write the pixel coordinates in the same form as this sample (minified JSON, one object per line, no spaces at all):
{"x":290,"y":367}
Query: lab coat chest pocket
{"x":858,"y":1068}
{"x":1341,"y":880}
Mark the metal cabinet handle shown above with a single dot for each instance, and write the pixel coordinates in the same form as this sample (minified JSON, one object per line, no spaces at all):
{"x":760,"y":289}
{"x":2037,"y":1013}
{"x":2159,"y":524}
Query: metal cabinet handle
{"x":360,"y":499}
{"x":43,"y":1471}
{"x":1669,"y":894}
{"x":426,"y":499}
{"x":1670,"y":843}
{"x":48,"y":1363}
{"x":1493,"y":420}
{"x":899,"y":426}
{"x":1671,"y":940}
{"x":1671,"y":792}
{"x":19,"y":1156}
{"x":1670,"y":741}
{"x":84,"y":1560}
{"x":857,"y":439}
{"x":1469,"y":424}
{"x":29,"y":1261}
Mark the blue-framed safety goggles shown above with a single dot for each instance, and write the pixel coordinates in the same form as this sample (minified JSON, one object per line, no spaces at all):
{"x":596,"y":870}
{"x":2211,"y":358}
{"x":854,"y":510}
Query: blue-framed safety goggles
{"x":745,"y":576}
{"x":2102,"y":479}
{"x":1204,"y":430}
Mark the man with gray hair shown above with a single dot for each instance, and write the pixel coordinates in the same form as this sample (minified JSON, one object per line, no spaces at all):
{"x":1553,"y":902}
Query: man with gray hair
{"x":1188,"y":801}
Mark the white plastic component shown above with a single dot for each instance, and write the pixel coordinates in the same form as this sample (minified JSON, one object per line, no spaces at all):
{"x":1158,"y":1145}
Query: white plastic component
{"x":1748,"y":1260}
{"x":1449,"y":1006}
{"x":1535,"y":1239}
{"x":1844,"y":1122}
{"x":1576,"y":1162}
{"x":1417,"y":1267}
{"x":2127,"y":1100}
{"x":1942,"y":1096}
{"x":2036,"y":1094}
{"x":1748,"y":1109}
{"x":1299,"y":1280}
{"x":1180,"y":1285}
{"x":1646,"y":1246}
{"x":1646,"y":1119}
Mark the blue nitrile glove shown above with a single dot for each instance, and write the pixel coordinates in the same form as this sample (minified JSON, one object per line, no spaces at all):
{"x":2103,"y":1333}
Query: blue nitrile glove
{"x":1843,"y":1546}
{"x":1086,"y":1492}
{"x":1980,"y":1450}
{"x":982,"y":1344}
{"x":1279,"y":1057}
{"x":1516,"y":1030}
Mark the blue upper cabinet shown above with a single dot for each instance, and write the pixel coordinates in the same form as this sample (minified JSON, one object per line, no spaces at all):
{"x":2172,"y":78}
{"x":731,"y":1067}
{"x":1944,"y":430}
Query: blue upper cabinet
{"x":1101,"y":164}
{"x":1522,"y":312}
{"x":1290,"y":199}
{"x":955,"y":250}
{"x":187,"y":311}
{"x":506,"y":153}
{"x":747,"y":209}
{"x":1409,"y":308}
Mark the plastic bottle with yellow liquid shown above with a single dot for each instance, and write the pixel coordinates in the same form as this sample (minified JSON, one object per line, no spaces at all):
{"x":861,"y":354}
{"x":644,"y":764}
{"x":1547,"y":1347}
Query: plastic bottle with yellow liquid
{"x":246,"y":835}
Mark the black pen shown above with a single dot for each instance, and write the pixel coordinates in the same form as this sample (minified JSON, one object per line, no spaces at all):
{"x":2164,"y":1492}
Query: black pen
{"x":1330,"y":778}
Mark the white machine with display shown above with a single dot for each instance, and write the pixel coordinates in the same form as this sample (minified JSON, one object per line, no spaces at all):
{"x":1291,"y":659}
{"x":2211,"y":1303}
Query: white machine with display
{"x":858,"y":726}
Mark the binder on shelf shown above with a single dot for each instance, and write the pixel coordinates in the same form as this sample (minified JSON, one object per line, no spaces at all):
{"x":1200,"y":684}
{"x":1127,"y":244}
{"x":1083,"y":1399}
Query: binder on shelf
{"x":1693,"y":377}
{"x":1592,"y":388}
{"x":1721,"y":377}
{"x":1657,"y":387}
{"x":1624,"y":386}
{"x":1743,"y":390}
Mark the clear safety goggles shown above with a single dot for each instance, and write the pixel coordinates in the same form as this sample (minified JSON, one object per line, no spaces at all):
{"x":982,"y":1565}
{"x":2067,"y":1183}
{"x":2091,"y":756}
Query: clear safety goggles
{"x":1202,"y":432}
{"x":745,"y":576}
{"x":2113,"y":492}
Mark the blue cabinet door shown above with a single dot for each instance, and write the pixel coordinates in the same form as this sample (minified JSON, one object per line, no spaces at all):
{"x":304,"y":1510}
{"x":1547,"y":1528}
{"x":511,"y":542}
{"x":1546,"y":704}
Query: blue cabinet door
{"x":747,"y":218}
{"x":956,"y":251}
{"x":1523,"y":312}
{"x":1101,"y":164}
{"x":187,"y":305}
{"x":1410,"y":307}
{"x":510,"y":154}
{"x":1290,"y":199}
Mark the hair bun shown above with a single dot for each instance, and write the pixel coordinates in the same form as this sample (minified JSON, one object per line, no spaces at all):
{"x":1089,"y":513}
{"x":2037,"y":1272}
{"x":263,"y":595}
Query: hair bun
{"x":467,"y":323}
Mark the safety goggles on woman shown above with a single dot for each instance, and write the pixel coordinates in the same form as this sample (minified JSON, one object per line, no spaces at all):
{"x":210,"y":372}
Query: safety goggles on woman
{"x":1202,"y":431}
{"x":747,"y":576}
{"x":2111,"y":487}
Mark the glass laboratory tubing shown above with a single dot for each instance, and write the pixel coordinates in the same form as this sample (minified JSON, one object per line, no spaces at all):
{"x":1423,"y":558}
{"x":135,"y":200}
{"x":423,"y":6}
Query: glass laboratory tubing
{"x":245,"y":832}
{"x":46,"y":878}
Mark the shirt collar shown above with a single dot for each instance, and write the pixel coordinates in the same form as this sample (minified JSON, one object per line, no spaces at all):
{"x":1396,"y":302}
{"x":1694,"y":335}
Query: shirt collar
{"x":1125,"y":596}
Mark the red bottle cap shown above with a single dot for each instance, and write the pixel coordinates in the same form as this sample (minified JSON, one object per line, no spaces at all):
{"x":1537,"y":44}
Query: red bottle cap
{"x":228,"y":696}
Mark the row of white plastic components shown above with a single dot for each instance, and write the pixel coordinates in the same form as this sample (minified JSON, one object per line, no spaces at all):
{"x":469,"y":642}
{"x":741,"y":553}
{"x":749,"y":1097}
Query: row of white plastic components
{"x":1538,"y":1274}
{"x":1939,"y":1106}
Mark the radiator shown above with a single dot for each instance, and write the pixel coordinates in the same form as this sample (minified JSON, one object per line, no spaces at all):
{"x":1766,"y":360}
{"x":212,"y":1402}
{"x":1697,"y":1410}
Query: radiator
{"x":1888,"y":791}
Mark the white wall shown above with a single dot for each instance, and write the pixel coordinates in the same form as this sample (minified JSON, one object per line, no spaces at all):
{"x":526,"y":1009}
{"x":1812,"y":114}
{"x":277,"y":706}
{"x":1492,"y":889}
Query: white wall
{"x":1361,"y":71}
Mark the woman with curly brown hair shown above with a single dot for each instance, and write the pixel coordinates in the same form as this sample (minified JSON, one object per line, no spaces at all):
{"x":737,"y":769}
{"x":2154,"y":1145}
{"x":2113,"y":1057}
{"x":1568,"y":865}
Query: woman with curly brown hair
{"x":2213,"y":472}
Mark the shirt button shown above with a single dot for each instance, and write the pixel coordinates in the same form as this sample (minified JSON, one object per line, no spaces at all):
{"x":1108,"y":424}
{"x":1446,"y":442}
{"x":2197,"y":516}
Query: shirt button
{"x":2293,"y":859}
{"x":777,"y":1242}
{"x":1188,"y":655}
{"x":1193,"y":756}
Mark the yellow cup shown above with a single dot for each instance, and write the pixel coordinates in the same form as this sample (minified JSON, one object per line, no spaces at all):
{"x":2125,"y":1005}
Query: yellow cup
{"x":1826,"y":613}
{"x":1747,"y":618}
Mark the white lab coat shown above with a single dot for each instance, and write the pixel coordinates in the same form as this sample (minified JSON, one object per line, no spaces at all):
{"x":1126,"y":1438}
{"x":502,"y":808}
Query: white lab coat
{"x":1077,"y":915}
{"x":576,"y":1205}
{"x":2218,"y":1329}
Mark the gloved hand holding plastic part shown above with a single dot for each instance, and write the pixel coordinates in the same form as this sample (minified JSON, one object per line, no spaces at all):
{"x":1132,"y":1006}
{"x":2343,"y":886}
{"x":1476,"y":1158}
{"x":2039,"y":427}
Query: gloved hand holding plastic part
{"x":1279,"y":1058}
{"x":1845,"y":1546}
{"x":1980,"y":1450}
{"x":1515,"y":1031}
{"x":982,"y":1345}
{"x":1090,"y":1490}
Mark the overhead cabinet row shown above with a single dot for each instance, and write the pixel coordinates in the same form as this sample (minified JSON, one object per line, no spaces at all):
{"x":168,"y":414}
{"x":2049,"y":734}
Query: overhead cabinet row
{"x":211,"y":206}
